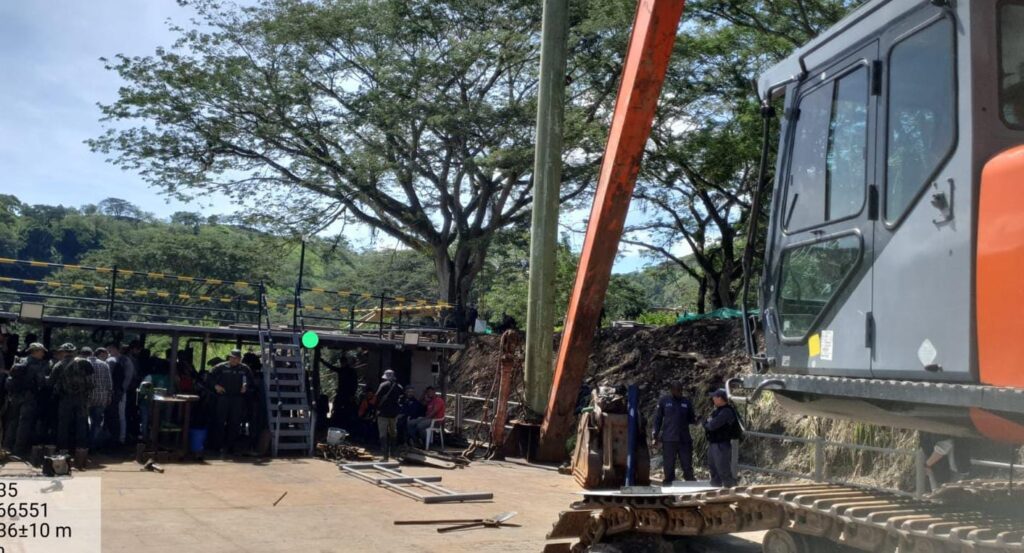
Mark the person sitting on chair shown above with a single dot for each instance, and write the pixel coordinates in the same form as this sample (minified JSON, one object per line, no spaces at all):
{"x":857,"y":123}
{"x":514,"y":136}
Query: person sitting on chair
{"x":434,"y":404}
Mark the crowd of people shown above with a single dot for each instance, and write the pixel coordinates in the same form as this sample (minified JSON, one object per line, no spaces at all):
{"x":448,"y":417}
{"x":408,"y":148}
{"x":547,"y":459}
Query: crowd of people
{"x":85,"y":399}
{"x":393,"y":414}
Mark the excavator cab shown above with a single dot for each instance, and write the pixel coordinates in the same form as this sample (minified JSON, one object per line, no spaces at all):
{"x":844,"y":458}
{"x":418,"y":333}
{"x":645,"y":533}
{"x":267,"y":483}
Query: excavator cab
{"x":892,"y":287}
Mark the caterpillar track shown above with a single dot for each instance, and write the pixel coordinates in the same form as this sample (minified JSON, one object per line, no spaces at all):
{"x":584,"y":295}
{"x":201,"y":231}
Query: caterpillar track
{"x":804,"y":518}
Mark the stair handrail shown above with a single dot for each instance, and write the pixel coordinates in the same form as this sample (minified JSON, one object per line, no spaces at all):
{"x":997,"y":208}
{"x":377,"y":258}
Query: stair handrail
{"x":270,"y":370}
{"x":311,"y":400}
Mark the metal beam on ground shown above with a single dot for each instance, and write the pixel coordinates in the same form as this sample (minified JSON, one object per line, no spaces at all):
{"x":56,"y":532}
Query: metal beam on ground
{"x":650,"y":47}
{"x":547,"y":180}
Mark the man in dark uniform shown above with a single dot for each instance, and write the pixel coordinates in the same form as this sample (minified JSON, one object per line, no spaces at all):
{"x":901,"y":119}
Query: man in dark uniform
{"x":71,"y":380}
{"x":722,"y":427}
{"x":22,"y":385}
{"x":46,"y":400}
{"x":230,"y":380}
{"x":672,"y":422}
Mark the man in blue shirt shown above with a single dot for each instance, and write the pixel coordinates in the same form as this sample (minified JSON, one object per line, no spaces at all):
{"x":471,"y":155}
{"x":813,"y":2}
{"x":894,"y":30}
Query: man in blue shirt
{"x":672,"y":422}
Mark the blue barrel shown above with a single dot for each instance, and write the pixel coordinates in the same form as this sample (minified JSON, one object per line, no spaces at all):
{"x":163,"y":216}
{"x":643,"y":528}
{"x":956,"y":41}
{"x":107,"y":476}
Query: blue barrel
{"x":196,"y":439}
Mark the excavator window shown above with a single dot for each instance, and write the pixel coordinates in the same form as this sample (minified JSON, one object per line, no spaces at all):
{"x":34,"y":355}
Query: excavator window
{"x":1011,"y":62}
{"x":811,"y":276}
{"x":829,"y":153}
{"x":921,"y":113}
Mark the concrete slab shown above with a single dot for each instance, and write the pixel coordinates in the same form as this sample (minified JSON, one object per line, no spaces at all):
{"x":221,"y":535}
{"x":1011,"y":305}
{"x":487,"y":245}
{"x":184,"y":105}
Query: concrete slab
{"x":227,"y":507}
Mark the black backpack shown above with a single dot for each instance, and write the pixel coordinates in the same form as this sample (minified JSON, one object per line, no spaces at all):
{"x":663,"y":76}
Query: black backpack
{"x":20,"y":379}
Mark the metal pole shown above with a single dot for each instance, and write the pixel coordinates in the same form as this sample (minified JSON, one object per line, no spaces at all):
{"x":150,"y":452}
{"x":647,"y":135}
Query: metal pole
{"x":380,"y":325}
{"x":547,"y":180}
{"x":172,"y":361}
{"x":113,"y":288}
{"x":819,"y":459}
{"x":632,"y":406}
{"x":458,"y":413}
{"x":351,"y":319}
{"x":298,"y":286}
{"x":206,"y":347}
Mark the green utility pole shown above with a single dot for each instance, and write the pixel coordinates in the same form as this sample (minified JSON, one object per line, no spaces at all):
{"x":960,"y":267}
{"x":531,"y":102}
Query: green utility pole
{"x":547,"y":180}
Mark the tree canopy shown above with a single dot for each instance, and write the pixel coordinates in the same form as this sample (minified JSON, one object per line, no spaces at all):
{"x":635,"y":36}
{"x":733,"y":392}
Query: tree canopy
{"x":414,"y":117}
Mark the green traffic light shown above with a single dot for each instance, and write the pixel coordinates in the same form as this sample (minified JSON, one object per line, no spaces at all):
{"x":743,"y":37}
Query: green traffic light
{"x":310,"y":339}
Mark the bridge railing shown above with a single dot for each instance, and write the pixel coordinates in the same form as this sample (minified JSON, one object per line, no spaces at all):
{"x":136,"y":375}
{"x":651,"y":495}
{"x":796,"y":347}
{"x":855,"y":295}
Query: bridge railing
{"x":116,"y":294}
{"x":364,"y":313}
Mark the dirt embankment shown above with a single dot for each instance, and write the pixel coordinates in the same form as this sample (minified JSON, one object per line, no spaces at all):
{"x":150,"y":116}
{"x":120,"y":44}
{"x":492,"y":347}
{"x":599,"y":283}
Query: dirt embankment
{"x":702,"y":355}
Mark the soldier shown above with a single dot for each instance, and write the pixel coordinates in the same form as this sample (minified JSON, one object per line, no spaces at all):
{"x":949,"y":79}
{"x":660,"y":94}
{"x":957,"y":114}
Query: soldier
{"x":230,"y":380}
{"x":22,"y":385}
{"x":672,"y":422}
{"x":72,"y":385}
{"x":722,"y":427}
{"x":46,"y":399}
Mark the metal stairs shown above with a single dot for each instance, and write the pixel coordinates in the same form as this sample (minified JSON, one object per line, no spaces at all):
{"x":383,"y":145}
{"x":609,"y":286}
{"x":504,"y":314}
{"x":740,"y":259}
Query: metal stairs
{"x":289,"y":414}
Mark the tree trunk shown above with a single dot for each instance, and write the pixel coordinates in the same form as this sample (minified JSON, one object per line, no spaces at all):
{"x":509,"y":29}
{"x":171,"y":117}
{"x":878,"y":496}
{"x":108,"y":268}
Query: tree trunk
{"x":702,"y":292}
{"x":457,"y":274}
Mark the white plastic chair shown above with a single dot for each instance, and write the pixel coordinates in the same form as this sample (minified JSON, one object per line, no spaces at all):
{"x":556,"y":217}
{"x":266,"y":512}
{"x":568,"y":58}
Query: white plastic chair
{"x":436,"y":425}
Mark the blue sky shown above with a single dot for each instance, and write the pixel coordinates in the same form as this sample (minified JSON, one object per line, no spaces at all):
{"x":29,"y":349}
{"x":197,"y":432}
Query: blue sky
{"x":50,"y":81}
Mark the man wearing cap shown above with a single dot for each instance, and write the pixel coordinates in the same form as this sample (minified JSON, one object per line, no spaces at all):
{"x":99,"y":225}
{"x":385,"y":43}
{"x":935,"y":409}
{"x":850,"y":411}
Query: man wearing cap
{"x":22,"y":386}
{"x":672,"y":421}
{"x":230,"y":380}
{"x":46,"y":400}
{"x":388,"y":395}
{"x":722,"y":427}
{"x":71,"y":380}
{"x":102,"y":392}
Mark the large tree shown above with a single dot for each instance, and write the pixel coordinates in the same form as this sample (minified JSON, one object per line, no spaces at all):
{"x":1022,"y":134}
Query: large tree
{"x":414,"y":117}
{"x":701,"y":166}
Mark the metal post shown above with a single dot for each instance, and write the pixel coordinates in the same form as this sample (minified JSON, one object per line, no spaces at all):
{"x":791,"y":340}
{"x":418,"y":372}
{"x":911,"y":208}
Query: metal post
{"x":202,"y":357}
{"x":547,"y":171}
{"x":380,"y":326}
{"x":734,"y":458}
{"x":920,"y":474}
{"x":632,"y":406}
{"x":172,"y":361}
{"x":351,"y":319}
{"x":298,"y":286}
{"x":113,"y":293}
{"x":459,"y":417}
{"x":819,"y":459}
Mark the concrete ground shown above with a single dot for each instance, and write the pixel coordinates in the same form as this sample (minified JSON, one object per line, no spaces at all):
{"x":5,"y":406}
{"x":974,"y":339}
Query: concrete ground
{"x":224,"y":506}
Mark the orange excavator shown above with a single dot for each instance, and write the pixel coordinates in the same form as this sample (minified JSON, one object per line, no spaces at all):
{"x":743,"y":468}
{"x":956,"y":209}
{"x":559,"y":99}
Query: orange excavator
{"x":892,"y":289}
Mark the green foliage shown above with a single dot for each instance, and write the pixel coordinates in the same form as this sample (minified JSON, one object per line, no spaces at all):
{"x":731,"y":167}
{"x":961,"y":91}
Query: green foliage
{"x":414,"y":117}
{"x":699,"y":176}
{"x":658,"y":318}
{"x":504,"y":281}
